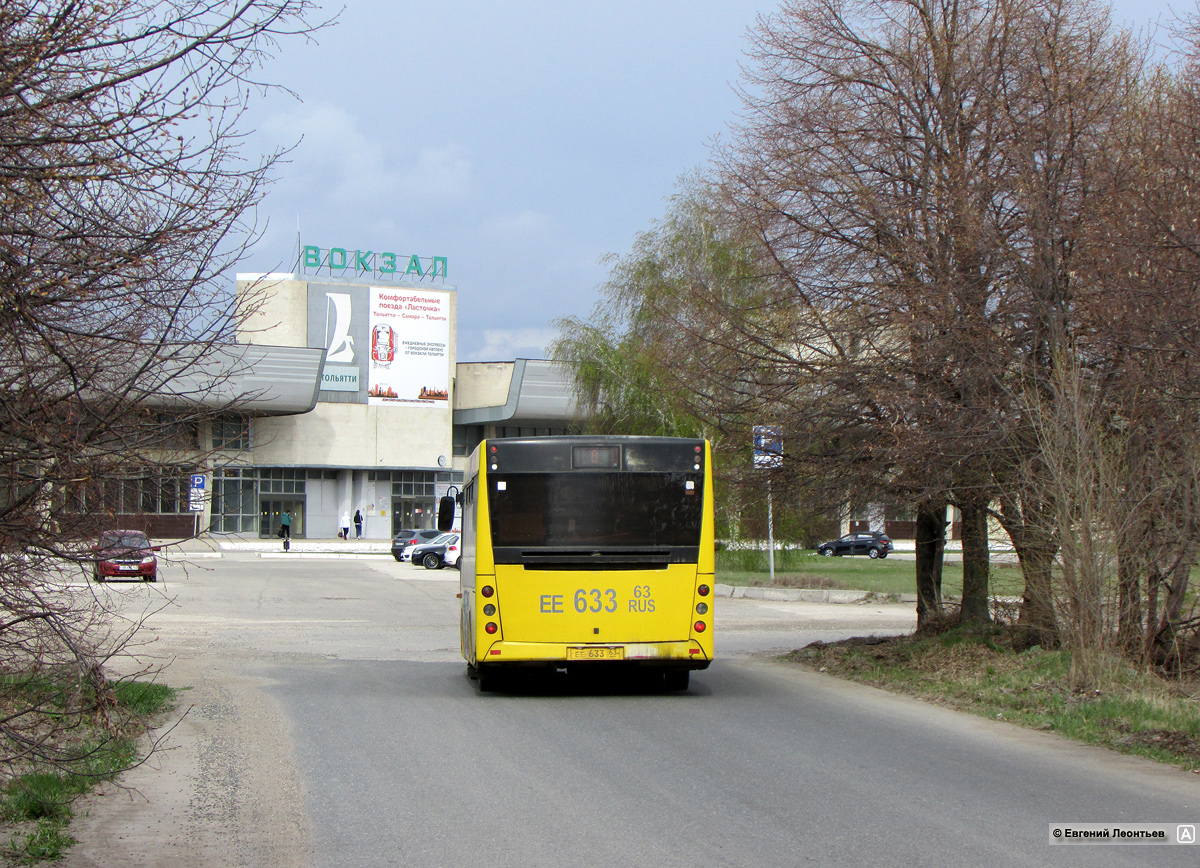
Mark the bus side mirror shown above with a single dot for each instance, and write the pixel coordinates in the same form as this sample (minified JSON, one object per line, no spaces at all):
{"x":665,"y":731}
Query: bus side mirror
{"x":446,"y":513}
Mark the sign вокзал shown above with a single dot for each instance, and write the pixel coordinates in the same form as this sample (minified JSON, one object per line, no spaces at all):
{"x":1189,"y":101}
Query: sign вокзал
{"x":336,"y":261}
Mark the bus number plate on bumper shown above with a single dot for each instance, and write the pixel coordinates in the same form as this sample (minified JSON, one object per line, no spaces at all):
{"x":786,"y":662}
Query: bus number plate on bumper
{"x":617,"y":653}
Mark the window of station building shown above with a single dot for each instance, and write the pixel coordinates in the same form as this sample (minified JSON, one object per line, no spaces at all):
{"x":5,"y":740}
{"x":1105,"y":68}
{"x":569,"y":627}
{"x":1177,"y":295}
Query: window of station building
{"x":173,"y":432}
{"x":235,"y":506}
{"x":152,"y":493}
{"x":22,"y":481}
{"x":415,"y":483}
{"x":231,"y":432}
{"x":282,"y":480}
{"x":466,"y":438}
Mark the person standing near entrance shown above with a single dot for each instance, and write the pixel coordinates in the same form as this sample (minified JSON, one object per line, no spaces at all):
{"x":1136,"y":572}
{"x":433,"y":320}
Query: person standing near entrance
{"x":285,"y":524}
{"x":346,"y":524}
{"x":358,"y":520}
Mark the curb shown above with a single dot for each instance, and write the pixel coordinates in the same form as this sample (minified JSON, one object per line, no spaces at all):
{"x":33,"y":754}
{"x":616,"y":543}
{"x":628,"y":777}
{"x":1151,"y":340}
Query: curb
{"x":326,"y":555}
{"x":799,"y":595}
{"x":791,"y":595}
{"x":315,"y":546}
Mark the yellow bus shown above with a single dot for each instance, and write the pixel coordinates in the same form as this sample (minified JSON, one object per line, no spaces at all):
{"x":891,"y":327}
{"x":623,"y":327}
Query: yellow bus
{"x":579,"y":550}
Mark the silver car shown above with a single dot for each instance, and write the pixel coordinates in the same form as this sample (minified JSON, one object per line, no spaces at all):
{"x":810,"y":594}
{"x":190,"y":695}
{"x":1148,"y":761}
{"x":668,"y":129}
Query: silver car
{"x":443,"y":551}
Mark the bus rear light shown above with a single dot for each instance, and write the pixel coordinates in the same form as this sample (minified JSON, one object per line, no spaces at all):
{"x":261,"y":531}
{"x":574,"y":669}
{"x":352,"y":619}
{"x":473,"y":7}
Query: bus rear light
{"x":702,"y":608}
{"x":495,"y":652}
{"x":699,"y":627}
{"x":490,"y":627}
{"x":702,"y":590}
{"x":489,"y":610}
{"x":487,"y":590}
{"x":693,"y":650}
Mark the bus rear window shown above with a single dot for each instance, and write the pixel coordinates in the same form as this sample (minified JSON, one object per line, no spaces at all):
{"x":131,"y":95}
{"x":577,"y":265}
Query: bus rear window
{"x":596,"y":509}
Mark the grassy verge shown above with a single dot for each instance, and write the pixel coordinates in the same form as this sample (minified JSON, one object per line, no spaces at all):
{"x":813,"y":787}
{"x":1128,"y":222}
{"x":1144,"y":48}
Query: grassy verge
{"x":978,"y":671}
{"x":888,"y":576}
{"x":36,"y":806}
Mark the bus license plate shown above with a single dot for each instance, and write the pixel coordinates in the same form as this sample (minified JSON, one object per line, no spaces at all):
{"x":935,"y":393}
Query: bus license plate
{"x":617,"y":653}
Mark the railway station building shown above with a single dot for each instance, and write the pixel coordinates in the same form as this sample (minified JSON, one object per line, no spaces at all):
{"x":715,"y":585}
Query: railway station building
{"x":353,"y":400}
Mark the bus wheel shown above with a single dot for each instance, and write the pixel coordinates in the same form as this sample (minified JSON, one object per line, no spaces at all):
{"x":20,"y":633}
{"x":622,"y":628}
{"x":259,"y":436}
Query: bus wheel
{"x":676,"y":679}
{"x":489,"y":679}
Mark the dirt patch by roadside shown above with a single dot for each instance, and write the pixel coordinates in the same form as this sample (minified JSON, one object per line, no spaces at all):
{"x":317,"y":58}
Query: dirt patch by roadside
{"x":223,"y":789}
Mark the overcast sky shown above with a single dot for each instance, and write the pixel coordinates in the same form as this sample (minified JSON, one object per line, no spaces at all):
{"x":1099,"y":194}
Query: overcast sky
{"x":522,"y":141}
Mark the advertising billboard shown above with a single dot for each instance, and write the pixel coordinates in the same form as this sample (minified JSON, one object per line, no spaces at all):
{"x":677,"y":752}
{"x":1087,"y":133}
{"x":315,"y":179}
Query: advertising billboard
{"x":410,"y":345}
{"x":386,"y":345}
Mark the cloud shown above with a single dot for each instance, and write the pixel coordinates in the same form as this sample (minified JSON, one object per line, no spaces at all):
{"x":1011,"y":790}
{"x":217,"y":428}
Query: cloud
{"x":338,"y":162}
{"x":506,"y":344}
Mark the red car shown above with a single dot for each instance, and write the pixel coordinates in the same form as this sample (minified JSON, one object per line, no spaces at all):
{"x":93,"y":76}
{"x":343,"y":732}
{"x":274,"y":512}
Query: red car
{"x":125,"y":554}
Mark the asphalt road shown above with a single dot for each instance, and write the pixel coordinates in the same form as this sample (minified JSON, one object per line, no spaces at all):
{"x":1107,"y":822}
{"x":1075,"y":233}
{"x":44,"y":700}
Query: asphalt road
{"x":330,"y":723}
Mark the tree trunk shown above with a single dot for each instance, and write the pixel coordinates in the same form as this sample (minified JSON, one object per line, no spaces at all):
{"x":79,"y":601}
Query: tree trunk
{"x":1162,"y":644}
{"x":975,"y":601}
{"x":1037,"y":623}
{"x":931,"y":545}
{"x":1130,"y":618}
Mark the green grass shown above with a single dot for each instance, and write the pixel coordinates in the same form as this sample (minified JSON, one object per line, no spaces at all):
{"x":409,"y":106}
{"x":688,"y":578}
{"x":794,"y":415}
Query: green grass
{"x":806,"y":569}
{"x":143,"y":697}
{"x":48,"y":841}
{"x":38,"y":804}
{"x":977,"y":671}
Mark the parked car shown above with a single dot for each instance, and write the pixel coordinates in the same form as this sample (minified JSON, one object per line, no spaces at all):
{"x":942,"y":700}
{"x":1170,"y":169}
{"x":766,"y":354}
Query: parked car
{"x":873,"y":544}
{"x":125,"y":554}
{"x":407,"y":538}
{"x":443,"y":551}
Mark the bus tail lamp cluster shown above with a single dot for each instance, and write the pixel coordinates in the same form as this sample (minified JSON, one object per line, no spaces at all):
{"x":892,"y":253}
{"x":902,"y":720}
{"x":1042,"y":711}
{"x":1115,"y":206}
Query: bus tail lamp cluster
{"x":487,"y":591}
{"x":699,"y":626}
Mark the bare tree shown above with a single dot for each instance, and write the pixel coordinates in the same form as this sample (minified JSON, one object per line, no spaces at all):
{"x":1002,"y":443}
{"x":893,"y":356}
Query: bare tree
{"x":1144,"y":332}
{"x":921,"y":173}
{"x":124,"y":196}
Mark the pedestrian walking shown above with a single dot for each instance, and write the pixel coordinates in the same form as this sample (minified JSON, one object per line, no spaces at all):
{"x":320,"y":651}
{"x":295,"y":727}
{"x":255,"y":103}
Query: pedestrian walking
{"x":285,"y":525}
{"x":346,"y":524}
{"x":358,"y":520}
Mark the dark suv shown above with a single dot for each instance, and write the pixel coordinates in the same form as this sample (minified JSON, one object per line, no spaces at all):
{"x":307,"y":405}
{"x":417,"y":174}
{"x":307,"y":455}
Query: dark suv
{"x":872,"y":544}
{"x":407,"y":538}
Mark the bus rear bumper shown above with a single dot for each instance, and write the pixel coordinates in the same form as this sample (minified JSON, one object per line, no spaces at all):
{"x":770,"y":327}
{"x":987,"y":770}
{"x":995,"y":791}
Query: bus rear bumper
{"x":687,"y":654}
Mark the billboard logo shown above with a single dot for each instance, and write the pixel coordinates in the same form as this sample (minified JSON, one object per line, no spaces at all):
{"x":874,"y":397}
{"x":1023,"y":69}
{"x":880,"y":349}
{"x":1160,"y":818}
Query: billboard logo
{"x":340,"y":345}
{"x":383,"y":345}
